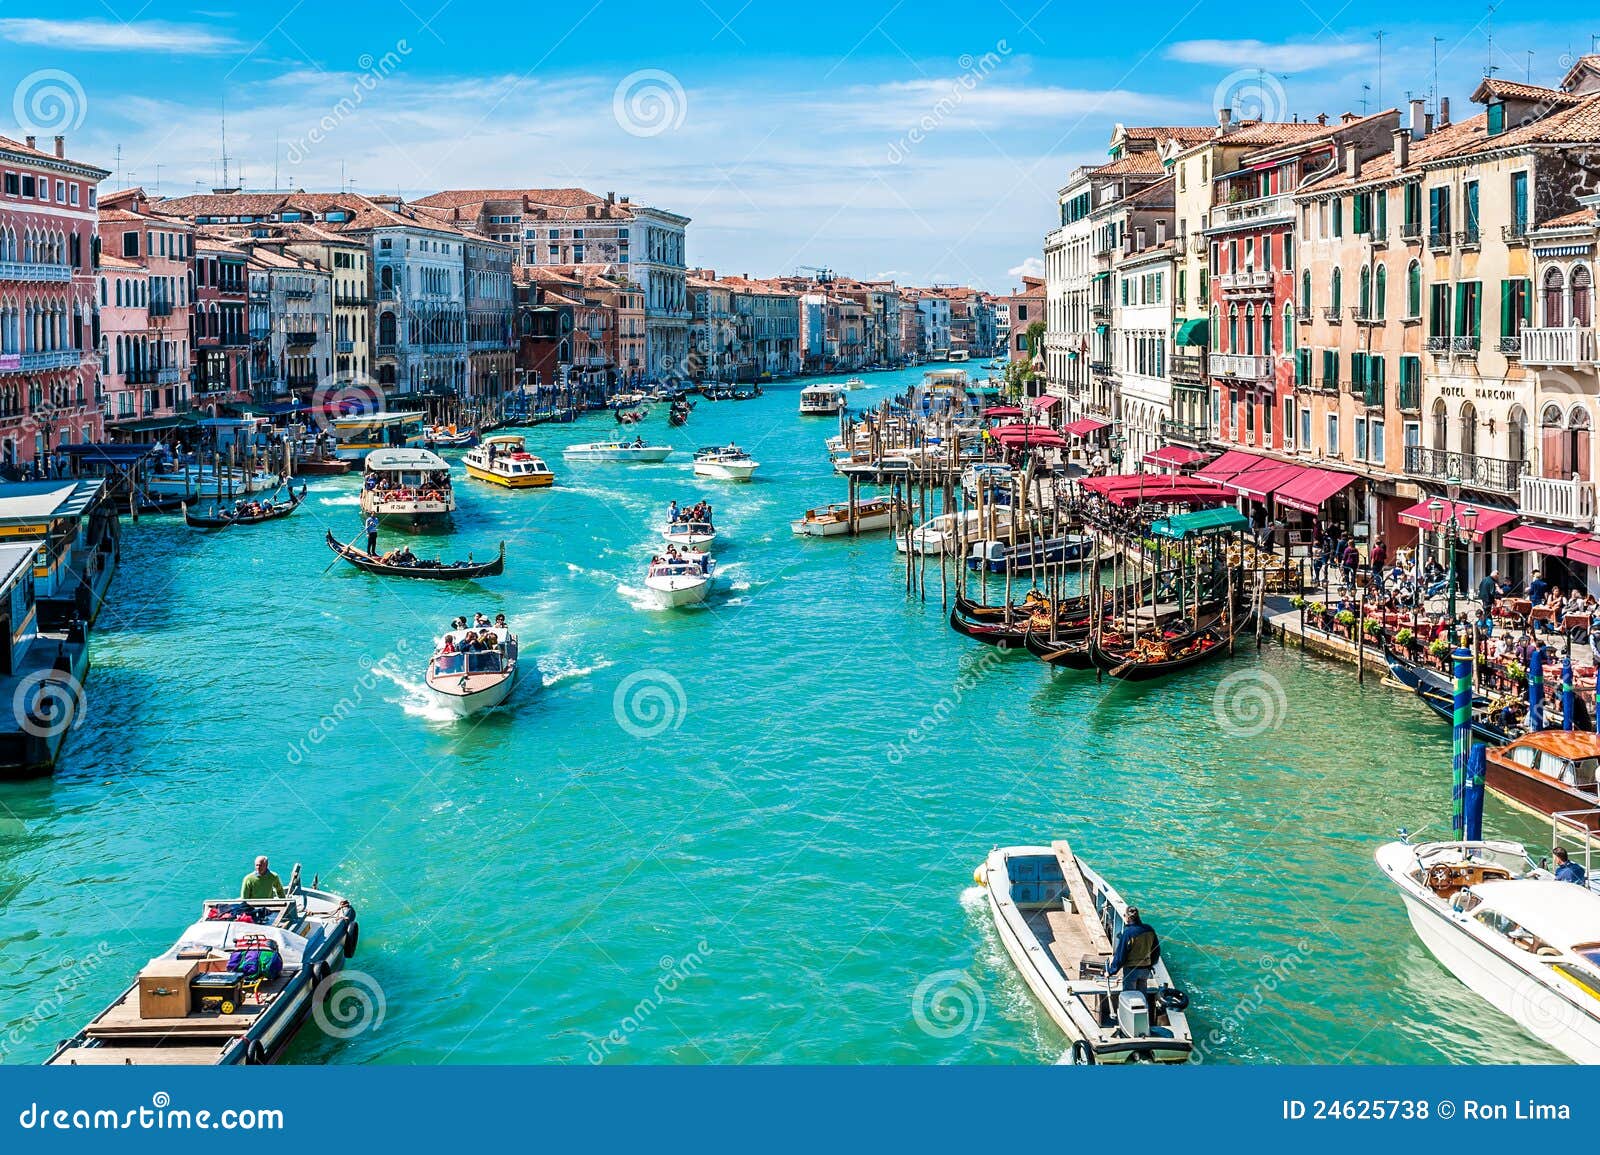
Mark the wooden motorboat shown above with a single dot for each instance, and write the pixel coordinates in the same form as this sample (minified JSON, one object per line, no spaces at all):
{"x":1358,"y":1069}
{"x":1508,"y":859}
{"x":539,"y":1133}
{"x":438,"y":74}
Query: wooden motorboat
{"x":1059,"y":921}
{"x":468,"y":681}
{"x":1029,"y":554}
{"x":449,"y":571}
{"x":871,"y":515}
{"x":679,"y":579}
{"x":728,"y":463}
{"x":689,"y":533}
{"x":1549,"y":772}
{"x":1509,"y":931}
{"x":631,"y":451}
{"x":504,"y":460}
{"x":198,"y":1002}
{"x":1494,"y":722}
{"x":449,"y":437}
{"x":265,"y":511}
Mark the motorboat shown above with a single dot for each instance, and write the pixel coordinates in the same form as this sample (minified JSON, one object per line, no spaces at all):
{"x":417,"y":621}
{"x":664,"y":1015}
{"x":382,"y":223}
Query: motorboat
{"x":679,"y":579}
{"x":234,"y":989}
{"x":959,"y":355}
{"x":1059,"y":921}
{"x":1028,"y":555}
{"x":407,"y":485}
{"x":690,"y":533}
{"x":892,"y":465}
{"x":358,"y":435}
{"x":821,"y":400}
{"x":855,"y":383}
{"x":504,"y":460}
{"x":945,"y":532}
{"x":729,"y":463}
{"x":468,"y":681}
{"x":1509,"y":931}
{"x":174,"y":484}
{"x":628,"y":451}
{"x":1548,"y":772}
{"x":993,"y":478}
{"x":449,"y":437}
{"x":870,"y":515}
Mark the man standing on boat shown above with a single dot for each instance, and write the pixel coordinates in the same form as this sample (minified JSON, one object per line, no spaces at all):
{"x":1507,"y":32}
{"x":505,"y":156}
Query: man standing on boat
{"x":372,"y":534}
{"x":1566,"y":869}
{"x":1138,"y":951}
{"x":261,"y":883}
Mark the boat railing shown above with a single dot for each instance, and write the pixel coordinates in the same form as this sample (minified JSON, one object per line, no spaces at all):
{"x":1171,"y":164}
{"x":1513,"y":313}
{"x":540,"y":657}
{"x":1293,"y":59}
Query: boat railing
{"x":1577,"y":828}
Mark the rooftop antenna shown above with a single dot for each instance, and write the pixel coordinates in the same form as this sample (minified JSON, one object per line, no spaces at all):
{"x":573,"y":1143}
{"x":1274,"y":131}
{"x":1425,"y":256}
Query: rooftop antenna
{"x":1365,"y":88}
{"x":1489,"y":68}
{"x":224,"y":142}
{"x":275,"y":183}
{"x":1433,"y":88}
{"x":1529,"y":75}
{"x":158,"y":178}
{"x":117,"y":152}
{"x":1380,"y":67}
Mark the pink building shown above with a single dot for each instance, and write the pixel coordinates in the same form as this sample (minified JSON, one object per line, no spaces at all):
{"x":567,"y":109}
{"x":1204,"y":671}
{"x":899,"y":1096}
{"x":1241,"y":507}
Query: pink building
{"x":1022,"y":309}
{"x":47,"y":287}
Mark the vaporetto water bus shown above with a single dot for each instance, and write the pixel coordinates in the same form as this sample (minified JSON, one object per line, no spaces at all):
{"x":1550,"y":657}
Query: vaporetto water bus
{"x":821,"y":400}
{"x":408,"y":485}
{"x":355,"y":437}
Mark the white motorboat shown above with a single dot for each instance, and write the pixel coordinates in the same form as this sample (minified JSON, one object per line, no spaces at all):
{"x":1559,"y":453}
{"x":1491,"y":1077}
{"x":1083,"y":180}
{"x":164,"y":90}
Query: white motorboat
{"x":504,"y":460}
{"x":630,"y":451}
{"x":871,"y":515}
{"x":690,"y":533}
{"x":1509,"y":931}
{"x":1059,"y":921}
{"x":679,"y":579}
{"x":821,"y":400}
{"x":466,"y":680}
{"x":855,"y":383}
{"x":409,"y":485}
{"x":729,"y":463}
{"x":945,"y":532}
{"x":175,"y":484}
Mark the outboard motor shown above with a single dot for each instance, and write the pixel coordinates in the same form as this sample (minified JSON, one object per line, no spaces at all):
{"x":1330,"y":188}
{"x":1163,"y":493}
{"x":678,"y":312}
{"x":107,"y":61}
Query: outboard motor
{"x":1133,"y":1014}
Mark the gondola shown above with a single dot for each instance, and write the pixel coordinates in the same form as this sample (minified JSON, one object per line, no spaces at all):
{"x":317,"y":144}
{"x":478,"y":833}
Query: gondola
{"x":1437,"y":691}
{"x":1071,"y":622}
{"x":427,"y":570}
{"x":273,"y":511}
{"x":1064,"y":653}
{"x":977,"y":612}
{"x":1183,"y":649}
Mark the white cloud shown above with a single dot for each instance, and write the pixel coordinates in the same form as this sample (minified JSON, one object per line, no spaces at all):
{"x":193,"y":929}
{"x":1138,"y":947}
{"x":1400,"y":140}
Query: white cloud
{"x":1258,"y":54}
{"x":115,"y":36}
{"x":1032,"y":267}
{"x":900,"y":105}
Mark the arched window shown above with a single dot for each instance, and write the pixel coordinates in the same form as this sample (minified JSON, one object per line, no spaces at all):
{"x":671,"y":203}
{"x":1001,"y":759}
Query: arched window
{"x":1288,"y":327}
{"x":1578,"y":442}
{"x":1380,"y":293}
{"x":1469,"y":430}
{"x":1233,"y":330}
{"x":1517,"y":432}
{"x":1266,"y":330}
{"x":1554,"y":292}
{"x":1414,"y":290}
{"x":1249,"y":329}
{"x":1582,"y":294}
{"x":1305,"y":292}
{"x":1334,"y":292}
{"x":1441,"y":427}
{"x":386,"y":329}
{"x":1364,"y":293}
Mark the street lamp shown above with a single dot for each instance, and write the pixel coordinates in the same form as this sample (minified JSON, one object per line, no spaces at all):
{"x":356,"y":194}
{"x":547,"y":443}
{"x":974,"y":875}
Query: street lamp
{"x":1459,"y":519}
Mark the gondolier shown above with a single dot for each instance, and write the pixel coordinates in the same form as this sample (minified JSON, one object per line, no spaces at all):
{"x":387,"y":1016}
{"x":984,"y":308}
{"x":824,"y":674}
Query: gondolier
{"x":1138,"y":951}
{"x":372,"y":533}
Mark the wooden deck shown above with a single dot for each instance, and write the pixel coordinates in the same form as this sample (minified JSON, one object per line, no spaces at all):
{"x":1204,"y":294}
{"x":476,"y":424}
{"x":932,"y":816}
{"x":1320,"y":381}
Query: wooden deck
{"x":114,"y":1055}
{"x":121,"y":1019}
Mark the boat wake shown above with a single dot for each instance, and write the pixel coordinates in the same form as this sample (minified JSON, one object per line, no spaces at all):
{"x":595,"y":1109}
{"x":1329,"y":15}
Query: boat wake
{"x":343,"y":499}
{"x":417,"y":702}
{"x":553,"y":670}
{"x":637,"y":598}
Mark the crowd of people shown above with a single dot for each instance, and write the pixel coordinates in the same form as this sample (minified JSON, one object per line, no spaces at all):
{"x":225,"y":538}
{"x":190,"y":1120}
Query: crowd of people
{"x":478,"y":635}
{"x":435,"y":487}
{"x":674,"y":555}
{"x":699,"y":512}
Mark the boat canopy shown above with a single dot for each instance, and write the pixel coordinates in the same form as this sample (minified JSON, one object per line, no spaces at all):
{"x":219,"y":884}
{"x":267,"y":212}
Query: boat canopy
{"x":400,"y":460}
{"x":1186,"y":525}
{"x":1563,"y":914}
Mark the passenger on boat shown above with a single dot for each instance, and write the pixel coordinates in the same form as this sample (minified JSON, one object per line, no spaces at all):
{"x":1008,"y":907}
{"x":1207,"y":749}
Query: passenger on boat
{"x":261,"y":882}
{"x":1566,"y":869}
{"x":480,"y":619}
{"x":499,"y":621}
{"x":1138,"y":951}
{"x":372,"y":533}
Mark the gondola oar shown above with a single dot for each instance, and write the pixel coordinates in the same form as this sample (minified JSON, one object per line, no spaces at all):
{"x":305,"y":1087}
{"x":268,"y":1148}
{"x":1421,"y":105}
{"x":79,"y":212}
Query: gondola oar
{"x":351,"y":544}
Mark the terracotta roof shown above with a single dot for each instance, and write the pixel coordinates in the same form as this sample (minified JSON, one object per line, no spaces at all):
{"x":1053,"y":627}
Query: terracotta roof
{"x":106,"y":214}
{"x":112,"y":261}
{"x":1438,"y":144}
{"x":1574,"y":219}
{"x":461,"y":198}
{"x":17,"y":146}
{"x":1133,"y":162}
{"x":1515,"y":90}
{"x":1158,"y":192}
{"x":1189,"y":133}
{"x":1578,"y":124}
{"x":1263,"y":132}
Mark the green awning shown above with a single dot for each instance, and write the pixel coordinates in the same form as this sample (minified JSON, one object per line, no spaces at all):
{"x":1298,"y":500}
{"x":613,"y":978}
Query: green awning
{"x":1100,"y":277}
{"x":1102,"y":329}
{"x":152,"y":424}
{"x":1186,"y":525}
{"x":1196,"y":332}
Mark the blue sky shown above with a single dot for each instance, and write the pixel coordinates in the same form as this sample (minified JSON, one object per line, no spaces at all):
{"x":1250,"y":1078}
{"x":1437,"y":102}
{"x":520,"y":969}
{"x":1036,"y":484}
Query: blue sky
{"x":913,"y":139}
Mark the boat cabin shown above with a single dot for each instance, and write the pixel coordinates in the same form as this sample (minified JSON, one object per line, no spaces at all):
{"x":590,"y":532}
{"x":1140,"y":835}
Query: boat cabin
{"x":73,"y":528}
{"x":1549,"y":772}
{"x":355,"y":437}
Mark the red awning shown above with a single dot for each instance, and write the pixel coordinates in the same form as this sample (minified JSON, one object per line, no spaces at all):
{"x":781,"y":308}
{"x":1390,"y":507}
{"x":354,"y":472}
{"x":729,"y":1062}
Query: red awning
{"x":1539,"y":539}
{"x":1133,"y":488}
{"x":1261,"y":484}
{"x":1586,"y":550}
{"x":1017,"y":430}
{"x":1040,"y":404}
{"x":1313,"y":488}
{"x":1175,"y":455}
{"x":1488,"y":518}
{"x":1002,"y":411}
{"x":1232,"y":463}
{"x":1084,"y":426}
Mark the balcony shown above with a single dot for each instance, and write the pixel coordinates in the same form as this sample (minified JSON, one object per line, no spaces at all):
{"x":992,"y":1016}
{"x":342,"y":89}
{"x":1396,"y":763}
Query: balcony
{"x":1510,"y":346}
{"x":1187,"y":370}
{"x":1186,"y":432}
{"x":160,"y":308}
{"x":1410,"y":230}
{"x":1437,"y":344}
{"x":40,"y":362}
{"x":1558,"y":499}
{"x":1438,"y":239}
{"x":301,"y":381}
{"x":1559,"y":346}
{"x":384,"y":348}
{"x":299,"y":338}
{"x":1464,"y":346}
{"x":139,"y":377}
{"x":1364,"y":318}
{"x":1253,"y":211}
{"x":1198,"y":245}
{"x":1468,"y":238}
{"x":1328,"y":384}
{"x":18,"y":271}
{"x":1516,"y":233}
{"x":344,"y":345}
{"x":1331,"y":314}
{"x":300,"y":294}
{"x":1371,"y":394}
{"x":1242,"y":366}
{"x":1487,"y":473}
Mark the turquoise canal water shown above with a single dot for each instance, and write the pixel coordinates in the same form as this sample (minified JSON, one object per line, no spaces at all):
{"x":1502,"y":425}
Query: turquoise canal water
{"x":707,"y":836}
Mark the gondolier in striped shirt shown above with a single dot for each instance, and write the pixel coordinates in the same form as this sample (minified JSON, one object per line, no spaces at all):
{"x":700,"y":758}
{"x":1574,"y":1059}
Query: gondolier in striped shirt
{"x":1138,"y":951}
{"x":372,"y":534}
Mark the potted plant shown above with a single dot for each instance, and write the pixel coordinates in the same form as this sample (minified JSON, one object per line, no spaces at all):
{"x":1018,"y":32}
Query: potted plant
{"x":1298,"y":602}
{"x":1516,"y":671}
{"x":1346,"y":619}
{"x":1405,"y":638}
{"x":1372,"y":626}
{"x":1438,"y":648}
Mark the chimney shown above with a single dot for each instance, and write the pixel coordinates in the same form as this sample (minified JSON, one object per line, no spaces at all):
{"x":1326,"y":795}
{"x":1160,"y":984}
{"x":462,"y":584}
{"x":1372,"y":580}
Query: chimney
{"x":61,"y":147}
{"x":1402,"y":148}
{"x":588,"y":211}
{"x":1444,"y":112}
{"x":31,"y":141}
{"x":1322,"y":118}
{"x":611,"y":198}
{"x":1352,"y":160}
{"x":1419,"y":119}
{"x":1138,"y":238}
{"x":1224,"y":118}
{"x":1161,"y":232}
{"x":527,"y":202}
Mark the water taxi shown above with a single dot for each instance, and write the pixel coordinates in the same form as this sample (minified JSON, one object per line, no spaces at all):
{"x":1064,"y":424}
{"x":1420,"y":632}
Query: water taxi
{"x":944,"y":533}
{"x":690,"y":533}
{"x":504,"y":460}
{"x":959,"y":355}
{"x":1509,"y":931}
{"x":871,"y":515}
{"x":175,"y":484}
{"x":355,"y":437}
{"x":449,"y":437}
{"x":821,"y":400}
{"x":467,"y":681}
{"x":1548,"y":772}
{"x":729,"y":463}
{"x":1029,"y":554}
{"x":855,"y":383}
{"x":1059,"y":921}
{"x":679,"y":579}
{"x":631,"y":451}
{"x":234,"y":989}
{"x":407,"y":485}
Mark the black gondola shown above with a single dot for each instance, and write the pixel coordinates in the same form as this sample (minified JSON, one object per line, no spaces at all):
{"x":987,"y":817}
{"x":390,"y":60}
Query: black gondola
{"x":272,"y":512}
{"x":1065,"y":653}
{"x":457,"y":571}
{"x":1437,"y":691}
{"x":1193,"y":647}
{"x":977,"y":612}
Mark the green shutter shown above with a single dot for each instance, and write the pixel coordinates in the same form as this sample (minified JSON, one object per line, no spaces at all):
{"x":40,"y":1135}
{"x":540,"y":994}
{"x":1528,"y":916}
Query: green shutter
{"x":1358,"y":213}
{"x":1527,"y":301}
{"x":1382,"y":205}
{"x":1461,"y":309}
{"x":1477,"y":308}
{"x":1505,"y":308}
{"x":1338,"y":218}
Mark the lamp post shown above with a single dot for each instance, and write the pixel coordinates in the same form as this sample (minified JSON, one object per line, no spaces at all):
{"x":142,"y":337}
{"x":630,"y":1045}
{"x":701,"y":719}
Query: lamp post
{"x":1459,"y":519}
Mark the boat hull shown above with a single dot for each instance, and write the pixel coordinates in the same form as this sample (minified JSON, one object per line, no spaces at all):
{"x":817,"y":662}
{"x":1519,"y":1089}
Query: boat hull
{"x":520,"y":481}
{"x":673,"y":593}
{"x":867,"y":523}
{"x":481,"y":691}
{"x":645,"y":456}
{"x":723,"y":472}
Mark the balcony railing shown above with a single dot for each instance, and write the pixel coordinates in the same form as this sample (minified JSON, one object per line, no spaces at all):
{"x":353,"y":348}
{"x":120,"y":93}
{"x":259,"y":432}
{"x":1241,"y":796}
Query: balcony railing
{"x":300,"y":337}
{"x":1331,"y":313}
{"x":1558,"y":346}
{"x":1372,"y":394}
{"x":139,"y":377}
{"x":1488,"y":473}
{"x":1468,"y":238}
{"x":20,"y":271}
{"x":1186,"y":432}
{"x":169,"y":375}
{"x":40,"y":362}
{"x":1510,"y":346}
{"x":352,"y":299}
{"x":1464,"y":345}
{"x":1246,"y":366}
{"x":1438,"y":344}
{"x":384,"y":348}
{"x":1558,"y":499}
{"x":1256,"y":209}
{"x":344,"y":345}
{"x":1438,"y":239}
{"x":1187,"y":369}
{"x":1516,"y":233}
{"x":301,"y":381}
{"x":1198,"y":245}
{"x":1410,"y":230}
{"x":298,"y":293}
